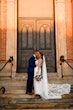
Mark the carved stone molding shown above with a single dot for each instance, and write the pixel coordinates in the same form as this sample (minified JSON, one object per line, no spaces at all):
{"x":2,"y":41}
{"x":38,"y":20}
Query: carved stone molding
{"x":60,"y":1}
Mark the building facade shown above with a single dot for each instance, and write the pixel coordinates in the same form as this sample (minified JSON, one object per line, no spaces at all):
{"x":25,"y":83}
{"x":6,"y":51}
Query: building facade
{"x":23,"y":30}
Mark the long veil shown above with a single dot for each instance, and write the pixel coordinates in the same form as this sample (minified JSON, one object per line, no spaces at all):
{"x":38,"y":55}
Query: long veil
{"x":45,"y":79}
{"x":52,"y":91}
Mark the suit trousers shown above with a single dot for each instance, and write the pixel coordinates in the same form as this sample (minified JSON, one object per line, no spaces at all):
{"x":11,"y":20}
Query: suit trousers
{"x":29,"y":82}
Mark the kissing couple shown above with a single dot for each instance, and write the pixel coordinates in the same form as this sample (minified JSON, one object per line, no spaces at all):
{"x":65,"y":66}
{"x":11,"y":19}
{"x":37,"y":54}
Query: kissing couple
{"x":37,"y":79}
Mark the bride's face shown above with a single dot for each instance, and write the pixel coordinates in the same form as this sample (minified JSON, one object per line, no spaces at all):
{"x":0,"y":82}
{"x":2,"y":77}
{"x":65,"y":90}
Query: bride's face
{"x":39,"y":56}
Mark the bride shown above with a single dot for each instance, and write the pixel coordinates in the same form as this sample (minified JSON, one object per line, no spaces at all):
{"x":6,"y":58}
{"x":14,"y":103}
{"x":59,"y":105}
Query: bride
{"x":41,"y":85}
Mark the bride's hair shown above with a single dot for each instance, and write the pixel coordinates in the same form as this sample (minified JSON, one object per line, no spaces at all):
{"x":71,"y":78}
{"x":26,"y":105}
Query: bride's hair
{"x":41,"y":55}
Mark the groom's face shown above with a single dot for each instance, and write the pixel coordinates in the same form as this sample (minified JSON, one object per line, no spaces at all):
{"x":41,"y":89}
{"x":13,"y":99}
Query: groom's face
{"x":37,"y":54}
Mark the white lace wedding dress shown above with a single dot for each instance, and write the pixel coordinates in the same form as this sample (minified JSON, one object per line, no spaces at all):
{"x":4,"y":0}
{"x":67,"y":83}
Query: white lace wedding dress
{"x":46,"y":90}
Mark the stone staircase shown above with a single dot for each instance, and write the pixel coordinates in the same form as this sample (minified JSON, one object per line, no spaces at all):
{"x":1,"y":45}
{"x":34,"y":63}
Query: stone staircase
{"x":16,"y":99}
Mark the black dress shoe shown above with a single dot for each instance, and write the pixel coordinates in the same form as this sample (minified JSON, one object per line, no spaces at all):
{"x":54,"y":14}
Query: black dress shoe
{"x":29,"y":93}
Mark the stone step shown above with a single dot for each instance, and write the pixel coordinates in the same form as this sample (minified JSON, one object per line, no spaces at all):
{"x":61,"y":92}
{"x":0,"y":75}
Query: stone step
{"x":34,"y":101}
{"x":70,"y":95}
{"x":15,"y":87}
{"x":23,"y":95}
{"x":12,"y":83}
{"x":23,"y":79}
{"x":17,"y":96}
{"x":20,"y":82}
{"x":15,"y":91}
{"x":24,"y":75}
{"x":18,"y":87}
{"x":21,"y":91}
{"x":33,"y":104}
{"x":2,"y":74}
{"x":18,"y":90}
{"x":36,"y":106}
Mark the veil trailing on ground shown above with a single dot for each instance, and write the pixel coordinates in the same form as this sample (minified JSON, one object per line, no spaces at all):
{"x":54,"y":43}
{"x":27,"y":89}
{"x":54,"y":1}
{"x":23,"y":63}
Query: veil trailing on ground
{"x":52,"y":91}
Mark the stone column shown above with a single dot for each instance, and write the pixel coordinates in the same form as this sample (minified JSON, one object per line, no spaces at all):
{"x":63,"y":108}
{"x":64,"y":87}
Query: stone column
{"x":3,"y":12}
{"x":60,"y":32}
{"x":69,"y":38}
{"x":11,"y":49}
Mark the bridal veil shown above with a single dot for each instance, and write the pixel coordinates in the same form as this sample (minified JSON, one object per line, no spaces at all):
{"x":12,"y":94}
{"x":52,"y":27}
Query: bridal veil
{"x":52,"y":91}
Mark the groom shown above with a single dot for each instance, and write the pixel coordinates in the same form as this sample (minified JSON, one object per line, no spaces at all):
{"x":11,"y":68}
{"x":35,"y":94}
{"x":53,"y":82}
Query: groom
{"x":30,"y":71}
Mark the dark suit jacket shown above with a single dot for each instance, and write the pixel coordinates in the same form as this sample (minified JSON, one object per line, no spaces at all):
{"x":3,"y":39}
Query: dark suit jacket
{"x":31,"y":65}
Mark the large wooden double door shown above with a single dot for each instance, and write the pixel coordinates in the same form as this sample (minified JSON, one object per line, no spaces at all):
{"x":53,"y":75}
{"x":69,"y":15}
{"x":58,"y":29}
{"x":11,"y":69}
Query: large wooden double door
{"x":35,"y":33}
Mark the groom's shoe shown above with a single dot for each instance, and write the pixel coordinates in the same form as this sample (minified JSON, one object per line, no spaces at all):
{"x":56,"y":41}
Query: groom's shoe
{"x":29,"y":93}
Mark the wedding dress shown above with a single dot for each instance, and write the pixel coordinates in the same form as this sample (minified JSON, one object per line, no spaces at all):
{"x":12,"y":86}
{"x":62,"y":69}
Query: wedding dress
{"x":46,"y":90}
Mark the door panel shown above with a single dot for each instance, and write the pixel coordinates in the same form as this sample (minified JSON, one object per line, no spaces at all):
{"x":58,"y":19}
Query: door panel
{"x":26,"y":43}
{"x":45,"y":42}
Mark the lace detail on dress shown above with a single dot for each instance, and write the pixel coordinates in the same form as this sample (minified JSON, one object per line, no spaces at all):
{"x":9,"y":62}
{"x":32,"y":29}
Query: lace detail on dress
{"x":57,"y":90}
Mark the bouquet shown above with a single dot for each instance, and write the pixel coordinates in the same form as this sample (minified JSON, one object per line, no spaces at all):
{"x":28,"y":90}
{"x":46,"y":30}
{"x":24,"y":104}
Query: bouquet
{"x":38,"y":77}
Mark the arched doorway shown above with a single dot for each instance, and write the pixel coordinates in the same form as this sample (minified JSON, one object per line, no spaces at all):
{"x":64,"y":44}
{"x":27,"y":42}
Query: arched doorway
{"x":36,"y":31}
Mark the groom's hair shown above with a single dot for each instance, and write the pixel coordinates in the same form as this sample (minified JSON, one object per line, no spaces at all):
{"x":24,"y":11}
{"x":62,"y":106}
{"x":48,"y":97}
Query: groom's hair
{"x":36,"y":51}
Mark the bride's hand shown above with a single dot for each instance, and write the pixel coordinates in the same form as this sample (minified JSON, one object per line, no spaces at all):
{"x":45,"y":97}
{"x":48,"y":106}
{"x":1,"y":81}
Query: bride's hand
{"x":37,"y":73}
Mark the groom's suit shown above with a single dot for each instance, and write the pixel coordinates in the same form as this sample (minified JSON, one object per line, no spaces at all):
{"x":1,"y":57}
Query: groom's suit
{"x":30,"y":71}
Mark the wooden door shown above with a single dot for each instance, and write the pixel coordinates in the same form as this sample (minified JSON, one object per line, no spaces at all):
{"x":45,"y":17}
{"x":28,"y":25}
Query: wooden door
{"x":35,"y":33}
